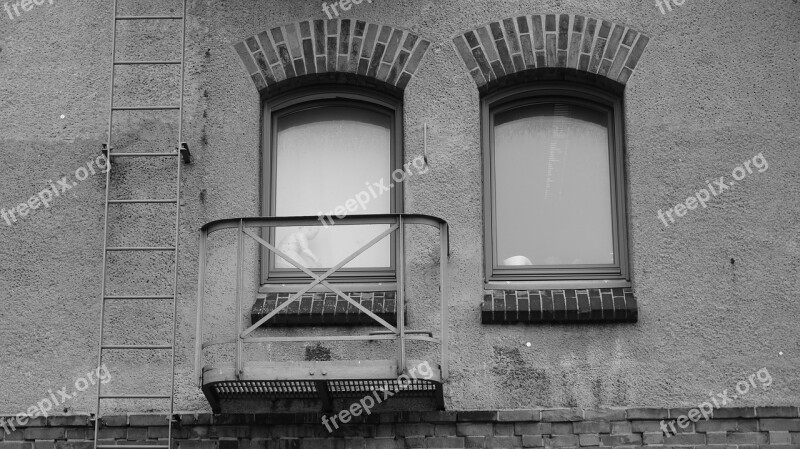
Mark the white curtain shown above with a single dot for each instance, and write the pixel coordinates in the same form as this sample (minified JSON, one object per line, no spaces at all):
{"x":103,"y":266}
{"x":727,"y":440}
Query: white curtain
{"x":326,"y":156}
{"x":552,"y":185}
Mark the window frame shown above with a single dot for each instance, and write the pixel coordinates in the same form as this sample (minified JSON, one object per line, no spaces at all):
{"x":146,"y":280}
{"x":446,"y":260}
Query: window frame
{"x":565,"y":275}
{"x":320,"y":96}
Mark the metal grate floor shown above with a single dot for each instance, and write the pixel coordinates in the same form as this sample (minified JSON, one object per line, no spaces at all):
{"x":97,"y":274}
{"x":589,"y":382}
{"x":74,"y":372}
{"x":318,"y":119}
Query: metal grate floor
{"x":250,"y":388}
{"x":324,"y":381}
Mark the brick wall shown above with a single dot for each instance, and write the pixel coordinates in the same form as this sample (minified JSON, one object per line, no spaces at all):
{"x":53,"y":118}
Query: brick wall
{"x":742,"y":428}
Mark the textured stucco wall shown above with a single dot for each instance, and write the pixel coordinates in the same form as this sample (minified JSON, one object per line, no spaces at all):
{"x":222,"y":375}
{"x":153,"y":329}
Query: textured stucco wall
{"x":718,"y":84}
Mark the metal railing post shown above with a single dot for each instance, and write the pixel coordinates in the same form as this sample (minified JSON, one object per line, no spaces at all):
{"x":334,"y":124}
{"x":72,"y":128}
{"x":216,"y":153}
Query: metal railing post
{"x":401,"y":290}
{"x":444,"y":235}
{"x":239,"y":288}
{"x":201,"y":289}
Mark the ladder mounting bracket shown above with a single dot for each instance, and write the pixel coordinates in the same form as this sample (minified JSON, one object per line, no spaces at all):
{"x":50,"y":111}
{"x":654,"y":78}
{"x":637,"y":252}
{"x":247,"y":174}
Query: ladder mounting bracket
{"x":185,"y":154}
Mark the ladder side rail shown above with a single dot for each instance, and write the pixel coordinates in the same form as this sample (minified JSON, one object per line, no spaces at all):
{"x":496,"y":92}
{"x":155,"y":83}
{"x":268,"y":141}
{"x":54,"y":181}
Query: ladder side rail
{"x":105,"y":219}
{"x":179,"y":163}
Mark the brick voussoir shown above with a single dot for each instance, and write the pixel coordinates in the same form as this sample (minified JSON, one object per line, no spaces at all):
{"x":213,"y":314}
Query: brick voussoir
{"x":305,"y":49}
{"x":564,"y":41}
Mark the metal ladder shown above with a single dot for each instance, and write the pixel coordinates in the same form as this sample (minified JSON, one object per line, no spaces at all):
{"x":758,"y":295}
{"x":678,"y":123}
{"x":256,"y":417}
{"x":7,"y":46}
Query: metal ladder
{"x":181,"y":154}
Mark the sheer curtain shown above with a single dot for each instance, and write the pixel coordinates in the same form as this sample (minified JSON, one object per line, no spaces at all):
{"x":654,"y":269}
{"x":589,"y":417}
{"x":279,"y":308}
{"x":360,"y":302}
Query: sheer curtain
{"x":325,"y":156}
{"x":552,"y":194}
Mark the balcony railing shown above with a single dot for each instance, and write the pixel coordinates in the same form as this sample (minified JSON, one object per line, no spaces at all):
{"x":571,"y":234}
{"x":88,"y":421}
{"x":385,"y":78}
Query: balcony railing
{"x":325,"y":381}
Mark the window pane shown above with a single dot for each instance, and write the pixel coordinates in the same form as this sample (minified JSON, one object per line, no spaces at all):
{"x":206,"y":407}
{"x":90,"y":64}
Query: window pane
{"x":552,"y":192}
{"x":325,"y":156}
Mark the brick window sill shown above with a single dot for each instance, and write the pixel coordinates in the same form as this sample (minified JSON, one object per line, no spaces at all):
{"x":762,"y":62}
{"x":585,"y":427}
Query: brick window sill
{"x":593,"y":305}
{"x":325,"y":309}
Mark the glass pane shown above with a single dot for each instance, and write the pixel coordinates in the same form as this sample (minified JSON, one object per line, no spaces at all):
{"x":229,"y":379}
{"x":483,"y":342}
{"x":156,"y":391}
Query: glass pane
{"x":551,"y":186}
{"x":325,"y":157}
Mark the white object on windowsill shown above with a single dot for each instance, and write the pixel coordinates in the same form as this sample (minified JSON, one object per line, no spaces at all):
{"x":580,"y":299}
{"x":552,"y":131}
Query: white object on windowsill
{"x":517,"y":260}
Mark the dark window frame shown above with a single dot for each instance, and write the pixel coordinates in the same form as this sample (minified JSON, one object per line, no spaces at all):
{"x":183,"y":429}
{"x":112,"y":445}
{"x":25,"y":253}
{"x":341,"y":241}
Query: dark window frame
{"x":319,"y":96}
{"x":573,"y":93}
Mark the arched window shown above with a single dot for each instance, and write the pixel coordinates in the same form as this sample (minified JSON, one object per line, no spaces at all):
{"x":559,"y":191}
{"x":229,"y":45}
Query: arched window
{"x":554,"y":182}
{"x":330,"y":152}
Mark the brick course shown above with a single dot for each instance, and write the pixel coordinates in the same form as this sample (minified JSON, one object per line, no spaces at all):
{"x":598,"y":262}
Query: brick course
{"x":326,"y":309}
{"x":612,"y":428}
{"x":559,"y":306}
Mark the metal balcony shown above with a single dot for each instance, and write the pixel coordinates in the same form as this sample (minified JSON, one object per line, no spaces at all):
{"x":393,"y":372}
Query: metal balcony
{"x":324,"y":381}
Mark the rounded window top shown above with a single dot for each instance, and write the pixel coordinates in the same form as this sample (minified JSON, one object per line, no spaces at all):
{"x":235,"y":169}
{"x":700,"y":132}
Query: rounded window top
{"x":343,"y":92}
{"x":553,"y":91}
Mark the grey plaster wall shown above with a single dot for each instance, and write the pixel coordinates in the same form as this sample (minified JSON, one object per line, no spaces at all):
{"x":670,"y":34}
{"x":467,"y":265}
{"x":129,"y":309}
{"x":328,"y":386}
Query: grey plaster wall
{"x":717,"y":85}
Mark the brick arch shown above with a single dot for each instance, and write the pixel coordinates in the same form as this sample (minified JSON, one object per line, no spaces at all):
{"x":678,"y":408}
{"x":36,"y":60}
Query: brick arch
{"x":296,"y":50}
{"x":518,"y":44}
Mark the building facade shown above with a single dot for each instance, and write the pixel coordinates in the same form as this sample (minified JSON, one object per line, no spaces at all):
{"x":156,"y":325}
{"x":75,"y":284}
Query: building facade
{"x":413,"y":224}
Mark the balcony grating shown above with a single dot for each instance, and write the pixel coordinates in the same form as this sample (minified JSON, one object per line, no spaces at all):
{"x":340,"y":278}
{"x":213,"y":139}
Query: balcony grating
{"x":348,"y":388}
{"x":301,"y":389}
{"x":239,"y":389}
{"x":324,"y":381}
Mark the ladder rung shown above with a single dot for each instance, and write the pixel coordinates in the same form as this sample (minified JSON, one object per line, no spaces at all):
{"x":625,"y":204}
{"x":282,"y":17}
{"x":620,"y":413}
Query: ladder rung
{"x":137,"y":346}
{"x":140,"y":297}
{"x":135,"y":396}
{"x":161,"y":154}
{"x":147,"y":62}
{"x":143,"y":108}
{"x":148,"y":17}
{"x":141,"y":248}
{"x":141,"y":201}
